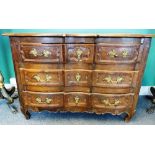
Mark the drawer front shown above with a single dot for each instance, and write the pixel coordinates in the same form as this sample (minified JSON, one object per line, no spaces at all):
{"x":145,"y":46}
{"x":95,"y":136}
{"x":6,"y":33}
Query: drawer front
{"x":116,"y":53}
{"x":115,"y":78}
{"x":43,"y":99}
{"x":112,"y":101}
{"x":36,"y":77}
{"x":76,"y":99}
{"x":42,"y":53}
{"x":78,"y":77}
{"x":79,"y":53}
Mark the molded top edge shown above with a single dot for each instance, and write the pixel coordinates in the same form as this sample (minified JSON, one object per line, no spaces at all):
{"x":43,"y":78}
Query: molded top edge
{"x":79,"y":35}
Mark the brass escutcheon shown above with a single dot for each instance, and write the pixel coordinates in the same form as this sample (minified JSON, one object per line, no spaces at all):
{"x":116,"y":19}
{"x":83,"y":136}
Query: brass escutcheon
{"x":79,"y":53}
{"x":76,"y":99}
{"x":78,"y":77}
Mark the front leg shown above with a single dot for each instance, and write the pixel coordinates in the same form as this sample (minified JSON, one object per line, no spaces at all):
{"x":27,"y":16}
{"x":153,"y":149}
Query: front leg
{"x":26,"y":113}
{"x":130,"y":114}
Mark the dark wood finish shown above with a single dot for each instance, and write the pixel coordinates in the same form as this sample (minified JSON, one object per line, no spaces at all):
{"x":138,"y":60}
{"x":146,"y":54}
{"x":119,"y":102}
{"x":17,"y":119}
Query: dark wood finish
{"x":79,"y":72}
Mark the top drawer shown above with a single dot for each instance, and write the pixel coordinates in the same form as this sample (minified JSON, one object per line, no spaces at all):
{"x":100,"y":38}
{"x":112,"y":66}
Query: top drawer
{"x":117,"y":53}
{"x":42,"y":53}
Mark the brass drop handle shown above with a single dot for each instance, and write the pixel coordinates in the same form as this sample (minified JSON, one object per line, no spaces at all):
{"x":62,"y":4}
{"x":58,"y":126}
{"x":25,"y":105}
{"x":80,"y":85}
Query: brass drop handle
{"x":36,"y":53}
{"x":113,"y":53}
{"x":76,"y":99}
{"x":109,"y":80}
{"x":38,"y":78}
{"x":78,"y":77}
{"x":47,"y":100}
{"x":108,"y":103}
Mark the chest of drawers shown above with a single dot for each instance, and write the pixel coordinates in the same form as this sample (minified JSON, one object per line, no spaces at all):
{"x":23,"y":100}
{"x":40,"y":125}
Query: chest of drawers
{"x":95,"y":73}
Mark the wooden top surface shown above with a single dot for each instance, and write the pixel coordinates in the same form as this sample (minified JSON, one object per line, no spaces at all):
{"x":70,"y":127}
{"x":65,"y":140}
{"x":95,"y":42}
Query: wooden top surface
{"x":79,"y":35}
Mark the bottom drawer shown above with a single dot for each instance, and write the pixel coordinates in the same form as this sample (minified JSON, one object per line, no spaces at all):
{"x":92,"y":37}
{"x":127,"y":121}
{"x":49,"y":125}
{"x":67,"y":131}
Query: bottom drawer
{"x":43,"y":99}
{"x":77,"y":101}
{"x":112,"y":101}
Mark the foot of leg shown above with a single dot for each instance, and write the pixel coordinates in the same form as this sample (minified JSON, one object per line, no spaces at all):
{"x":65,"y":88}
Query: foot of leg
{"x":26,"y":113}
{"x":129,"y":115}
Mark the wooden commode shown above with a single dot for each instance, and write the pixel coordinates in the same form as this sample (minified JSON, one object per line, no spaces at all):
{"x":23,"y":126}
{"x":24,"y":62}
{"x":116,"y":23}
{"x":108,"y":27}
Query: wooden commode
{"x":98,"y":73}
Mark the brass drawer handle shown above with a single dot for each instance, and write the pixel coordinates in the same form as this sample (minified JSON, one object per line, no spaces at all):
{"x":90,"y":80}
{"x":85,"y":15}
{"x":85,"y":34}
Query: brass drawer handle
{"x":78,"y":77}
{"x":47,"y":100}
{"x":76,"y":99}
{"x":114,"y":54}
{"x":44,"y":53}
{"x":108,"y":103}
{"x":38,"y":78}
{"x":79,"y":53}
{"x":117,"y":81}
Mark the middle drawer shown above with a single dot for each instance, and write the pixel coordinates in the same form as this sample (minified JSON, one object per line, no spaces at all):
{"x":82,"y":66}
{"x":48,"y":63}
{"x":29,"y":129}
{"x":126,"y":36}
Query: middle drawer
{"x":78,"y":77}
{"x":78,"y":80}
{"x":114,"y":81}
{"x":42,"y":80}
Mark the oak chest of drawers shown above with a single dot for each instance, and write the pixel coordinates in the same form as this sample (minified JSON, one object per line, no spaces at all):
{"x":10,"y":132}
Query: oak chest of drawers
{"x":95,"y":73}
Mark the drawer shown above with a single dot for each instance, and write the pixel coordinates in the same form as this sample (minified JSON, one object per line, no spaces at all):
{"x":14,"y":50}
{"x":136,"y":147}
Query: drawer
{"x":36,"y":79}
{"x":117,"y":53}
{"x":112,"y":101}
{"x":77,"y":99}
{"x":78,"y":77}
{"x":42,"y":53}
{"x":43,"y":99}
{"x":79,"y":53}
{"x":115,"y":78}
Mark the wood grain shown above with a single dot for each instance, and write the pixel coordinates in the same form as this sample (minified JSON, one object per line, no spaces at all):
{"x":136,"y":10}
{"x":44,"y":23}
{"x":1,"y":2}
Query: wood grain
{"x":79,"y":72}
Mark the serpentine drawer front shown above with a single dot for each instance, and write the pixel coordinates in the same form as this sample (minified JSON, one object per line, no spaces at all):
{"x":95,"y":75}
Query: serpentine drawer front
{"x":43,"y":53}
{"x":79,"y":72}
